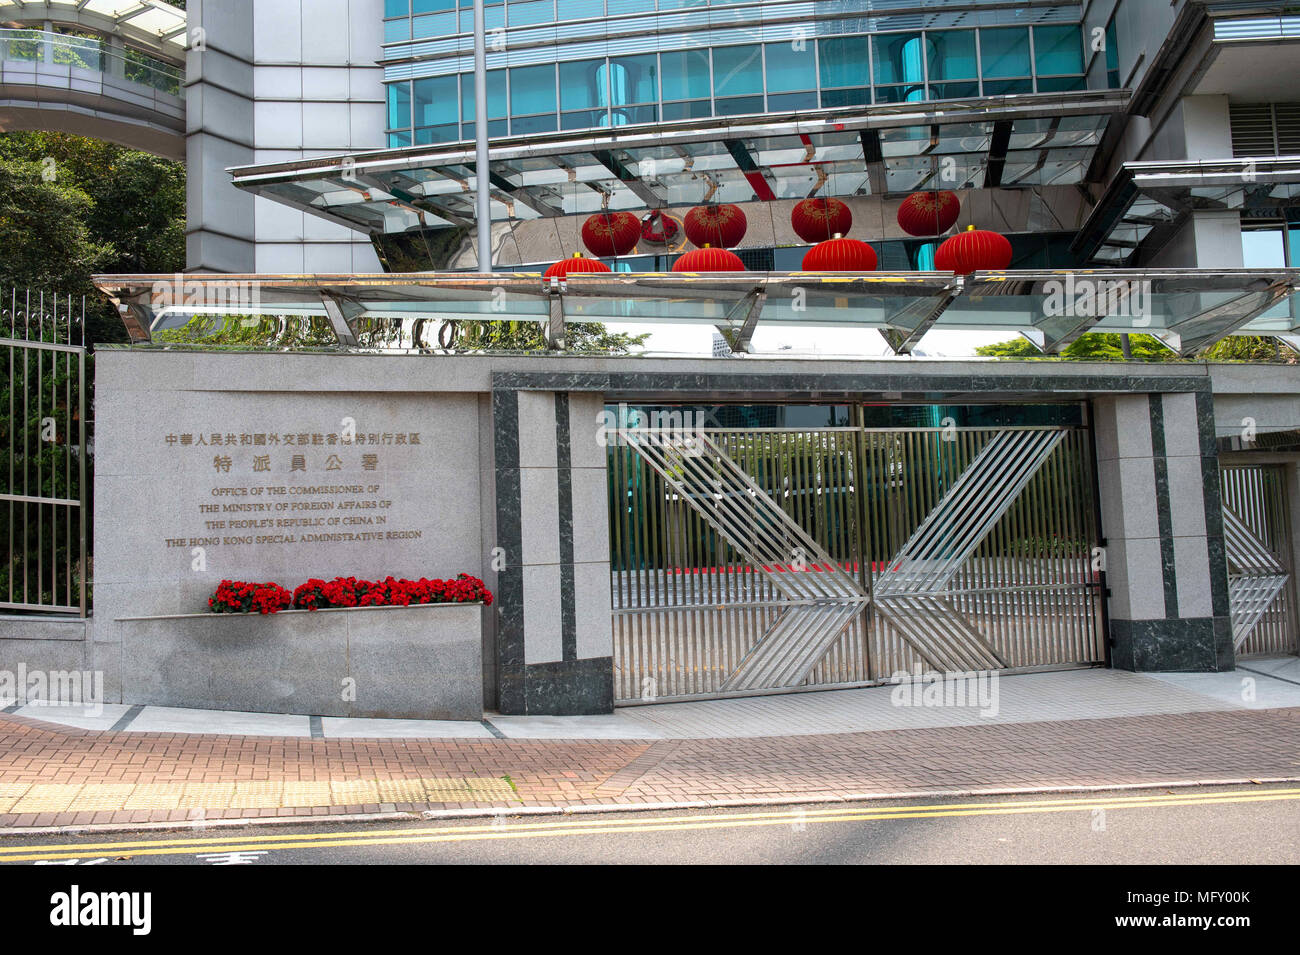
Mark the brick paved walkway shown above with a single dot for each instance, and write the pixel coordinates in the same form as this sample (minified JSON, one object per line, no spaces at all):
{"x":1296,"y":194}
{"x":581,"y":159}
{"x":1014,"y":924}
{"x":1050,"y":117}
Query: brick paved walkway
{"x":54,"y":776}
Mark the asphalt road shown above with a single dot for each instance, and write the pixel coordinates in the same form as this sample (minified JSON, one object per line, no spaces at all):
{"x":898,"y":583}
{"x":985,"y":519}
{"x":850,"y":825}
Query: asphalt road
{"x":1257,"y":825}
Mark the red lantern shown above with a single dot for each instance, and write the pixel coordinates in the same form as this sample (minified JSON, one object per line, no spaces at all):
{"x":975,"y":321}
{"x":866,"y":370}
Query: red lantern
{"x":658,"y":228}
{"x":816,"y":220}
{"x":840,"y":255}
{"x":722,"y":225}
{"x":611,"y":233}
{"x":929,"y":213}
{"x":709,"y":259}
{"x":975,"y":250}
{"x":579,"y":263}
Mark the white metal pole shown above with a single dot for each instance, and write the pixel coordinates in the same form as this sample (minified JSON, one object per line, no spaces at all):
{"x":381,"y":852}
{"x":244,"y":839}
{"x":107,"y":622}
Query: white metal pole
{"x":483,"y":210}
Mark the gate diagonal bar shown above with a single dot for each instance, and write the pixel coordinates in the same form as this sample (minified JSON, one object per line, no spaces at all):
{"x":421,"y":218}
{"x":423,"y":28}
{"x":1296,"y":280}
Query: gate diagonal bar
{"x":940,"y":634}
{"x":708,"y":527}
{"x":1255,"y":577}
{"x":719,"y":490}
{"x":967,"y":512}
{"x":907,"y":592}
{"x":714,"y":486}
{"x":793,"y":645}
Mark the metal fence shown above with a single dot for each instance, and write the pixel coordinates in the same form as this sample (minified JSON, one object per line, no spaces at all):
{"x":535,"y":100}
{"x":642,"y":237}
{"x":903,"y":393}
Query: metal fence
{"x":1256,"y":496}
{"x":690,"y":606}
{"x":43,"y":456}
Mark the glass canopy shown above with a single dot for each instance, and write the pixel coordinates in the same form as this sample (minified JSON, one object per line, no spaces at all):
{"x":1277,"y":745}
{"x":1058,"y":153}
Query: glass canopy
{"x":155,"y":26}
{"x":1015,"y":141}
{"x":1148,"y":198}
{"x":1185,"y":308}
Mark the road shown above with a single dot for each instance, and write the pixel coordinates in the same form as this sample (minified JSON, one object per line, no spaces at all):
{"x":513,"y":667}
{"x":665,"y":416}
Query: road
{"x":1258,"y":825}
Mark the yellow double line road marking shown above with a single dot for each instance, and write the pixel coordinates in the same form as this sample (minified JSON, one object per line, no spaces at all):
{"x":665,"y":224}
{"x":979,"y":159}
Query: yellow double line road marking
{"x":615,"y":825}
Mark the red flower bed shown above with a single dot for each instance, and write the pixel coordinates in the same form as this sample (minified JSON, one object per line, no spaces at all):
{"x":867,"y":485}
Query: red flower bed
{"x":238,"y":597}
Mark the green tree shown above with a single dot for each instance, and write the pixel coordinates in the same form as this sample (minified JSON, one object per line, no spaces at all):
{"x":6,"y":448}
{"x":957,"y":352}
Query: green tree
{"x":581,"y":337}
{"x":45,"y":243}
{"x":1107,"y":346}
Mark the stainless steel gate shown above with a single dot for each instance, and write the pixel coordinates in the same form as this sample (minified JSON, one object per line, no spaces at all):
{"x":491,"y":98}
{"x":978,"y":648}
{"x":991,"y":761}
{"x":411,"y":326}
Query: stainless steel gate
{"x":1257,"y":539}
{"x":43,"y":462}
{"x":760,"y":560}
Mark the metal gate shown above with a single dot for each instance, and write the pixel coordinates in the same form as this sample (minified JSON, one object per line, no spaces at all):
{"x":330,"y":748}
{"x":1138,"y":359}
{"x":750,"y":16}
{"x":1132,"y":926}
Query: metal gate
{"x":43,"y":455}
{"x":763,"y":560}
{"x":1257,"y":538}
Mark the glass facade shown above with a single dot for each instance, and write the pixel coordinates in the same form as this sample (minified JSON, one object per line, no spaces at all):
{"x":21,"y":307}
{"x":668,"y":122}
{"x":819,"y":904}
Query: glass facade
{"x":544,"y":77}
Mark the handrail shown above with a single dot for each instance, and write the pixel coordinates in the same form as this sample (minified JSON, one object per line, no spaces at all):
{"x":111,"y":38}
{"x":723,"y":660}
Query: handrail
{"x":60,"y":49}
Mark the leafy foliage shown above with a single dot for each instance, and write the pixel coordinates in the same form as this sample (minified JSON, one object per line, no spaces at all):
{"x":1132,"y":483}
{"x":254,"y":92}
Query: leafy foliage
{"x":1106,"y":346}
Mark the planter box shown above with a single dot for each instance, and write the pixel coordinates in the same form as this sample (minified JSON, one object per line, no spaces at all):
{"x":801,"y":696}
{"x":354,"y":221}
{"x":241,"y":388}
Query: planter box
{"x":420,"y":662}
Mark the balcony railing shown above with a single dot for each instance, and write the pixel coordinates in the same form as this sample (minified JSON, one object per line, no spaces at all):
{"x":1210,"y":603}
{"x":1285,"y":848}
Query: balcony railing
{"x":58,"y":49}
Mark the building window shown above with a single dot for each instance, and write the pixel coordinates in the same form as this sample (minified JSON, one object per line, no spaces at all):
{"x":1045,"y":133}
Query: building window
{"x":953,"y":65}
{"x":899,"y":60}
{"x":521,"y":13}
{"x":848,"y":71}
{"x":1005,"y":60}
{"x":532,"y":99}
{"x":789,"y":69}
{"x":1112,"y":55}
{"x":686,"y":84}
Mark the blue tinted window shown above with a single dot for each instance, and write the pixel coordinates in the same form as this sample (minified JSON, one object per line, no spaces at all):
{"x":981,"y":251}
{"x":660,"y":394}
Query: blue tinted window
{"x":738,"y":105}
{"x":435,"y":100}
{"x":790,"y":102}
{"x":496,"y":84}
{"x":532,"y":89}
{"x":952,"y":55}
{"x":493,"y":17}
{"x":899,"y":58}
{"x":581,"y":84}
{"x":1005,"y":52}
{"x":737,"y":70}
{"x":633,"y":79}
{"x":685,"y":74}
{"x":1058,"y":50}
{"x":399,"y":105}
{"x":436,"y":24}
{"x":1112,"y":56}
{"x":690,"y":109}
{"x":433,"y":6}
{"x":425,"y":135}
{"x":630,"y":6}
{"x":790,"y":69}
{"x":395,"y":30}
{"x":396,"y":8}
{"x":531,"y":11}
{"x":843,"y":61}
{"x":580,"y":9}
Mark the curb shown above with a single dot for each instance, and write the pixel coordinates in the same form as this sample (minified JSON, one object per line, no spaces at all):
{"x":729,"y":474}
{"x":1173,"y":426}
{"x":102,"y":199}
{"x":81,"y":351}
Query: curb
{"x":579,"y":809}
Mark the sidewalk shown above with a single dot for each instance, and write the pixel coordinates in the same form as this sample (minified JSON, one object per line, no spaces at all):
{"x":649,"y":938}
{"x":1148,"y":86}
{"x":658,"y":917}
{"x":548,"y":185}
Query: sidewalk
{"x":1064,"y":730}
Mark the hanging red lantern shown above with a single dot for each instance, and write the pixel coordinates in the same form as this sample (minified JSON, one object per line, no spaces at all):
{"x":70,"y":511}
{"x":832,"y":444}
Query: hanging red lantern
{"x":722,"y":225}
{"x":578,"y":263}
{"x":709,"y":259}
{"x":975,"y":250}
{"x":611,"y":233}
{"x":840,"y":255}
{"x":929,"y":213}
{"x":817,"y":219}
{"x":659,"y":228}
